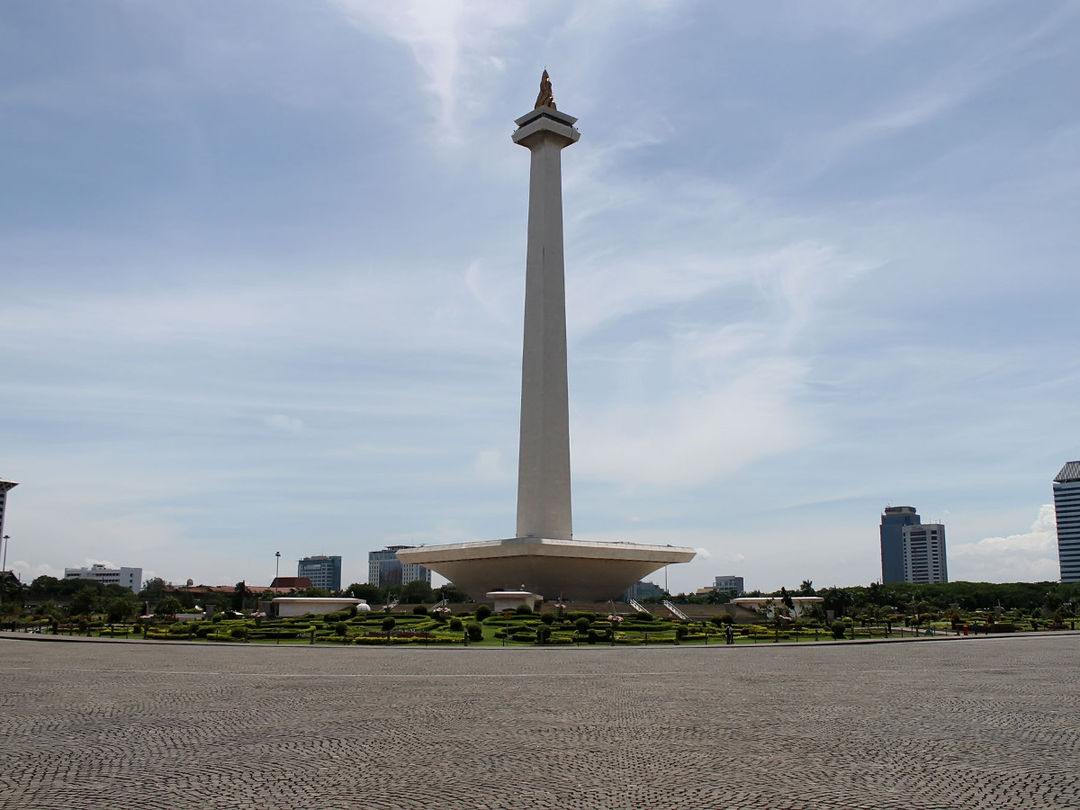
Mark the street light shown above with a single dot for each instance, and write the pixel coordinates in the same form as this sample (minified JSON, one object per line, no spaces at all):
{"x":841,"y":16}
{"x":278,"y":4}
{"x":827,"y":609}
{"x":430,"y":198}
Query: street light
{"x":277,"y":563}
{"x":7,"y":542}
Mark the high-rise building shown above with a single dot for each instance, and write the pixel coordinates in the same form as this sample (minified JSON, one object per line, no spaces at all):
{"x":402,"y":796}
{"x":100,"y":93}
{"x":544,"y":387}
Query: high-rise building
{"x":732,"y":586}
{"x":323,"y":570}
{"x":1067,"y":508}
{"x":642,"y":590}
{"x":130,"y":578}
{"x":893,"y":521}
{"x":385,"y":569}
{"x":923,"y":552}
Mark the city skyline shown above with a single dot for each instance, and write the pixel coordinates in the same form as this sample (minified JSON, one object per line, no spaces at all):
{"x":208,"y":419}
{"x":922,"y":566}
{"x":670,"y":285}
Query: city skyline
{"x":262,"y":286}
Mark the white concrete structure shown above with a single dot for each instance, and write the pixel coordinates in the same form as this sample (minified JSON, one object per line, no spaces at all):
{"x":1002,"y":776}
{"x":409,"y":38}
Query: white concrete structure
{"x":4,"y":487}
{"x":512,"y":600}
{"x":544,"y":558}
{"x":923,"y":553}
{"x":287,"y":606}
{"x":1067,"y":509}
{"x":544,"y":444}
{"x":575,"y":570}
{"x":130,"y":578}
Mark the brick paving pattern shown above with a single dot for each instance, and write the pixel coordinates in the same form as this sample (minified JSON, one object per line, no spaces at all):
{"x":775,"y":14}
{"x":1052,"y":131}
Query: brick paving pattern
{"x":968,"y":723}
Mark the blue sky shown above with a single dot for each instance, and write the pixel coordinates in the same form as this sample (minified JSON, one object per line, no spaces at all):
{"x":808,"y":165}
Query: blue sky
{"x":262,"y":273}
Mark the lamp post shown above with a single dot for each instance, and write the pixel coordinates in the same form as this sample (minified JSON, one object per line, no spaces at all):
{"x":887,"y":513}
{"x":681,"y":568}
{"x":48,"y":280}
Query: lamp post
{"x":277,"y":564}
{"x":7,"y":542}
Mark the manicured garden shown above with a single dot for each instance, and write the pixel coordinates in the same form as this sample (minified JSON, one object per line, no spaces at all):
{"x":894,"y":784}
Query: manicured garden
{"x":480,"y":627}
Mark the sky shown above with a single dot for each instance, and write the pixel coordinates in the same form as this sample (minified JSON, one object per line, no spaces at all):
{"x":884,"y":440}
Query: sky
{"x":262,"y":278}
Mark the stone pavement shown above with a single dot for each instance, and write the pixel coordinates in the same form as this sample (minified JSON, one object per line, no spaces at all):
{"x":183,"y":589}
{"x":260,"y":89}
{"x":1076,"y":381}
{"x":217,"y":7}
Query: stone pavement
{"x":967,"y":723}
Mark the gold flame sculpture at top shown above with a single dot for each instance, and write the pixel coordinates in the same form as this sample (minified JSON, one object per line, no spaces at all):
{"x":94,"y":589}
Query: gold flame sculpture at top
{"x":545,"y":99}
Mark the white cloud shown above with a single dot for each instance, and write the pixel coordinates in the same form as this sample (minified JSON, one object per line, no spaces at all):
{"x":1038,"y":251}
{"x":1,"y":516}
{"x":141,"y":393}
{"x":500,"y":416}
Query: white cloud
{"x":453,"y":42}
{"x":1027,"y":557}
{"x":692,"y":437}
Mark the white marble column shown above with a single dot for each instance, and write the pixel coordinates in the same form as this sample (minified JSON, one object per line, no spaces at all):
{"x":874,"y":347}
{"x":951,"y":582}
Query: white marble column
{"x":544,"y":453}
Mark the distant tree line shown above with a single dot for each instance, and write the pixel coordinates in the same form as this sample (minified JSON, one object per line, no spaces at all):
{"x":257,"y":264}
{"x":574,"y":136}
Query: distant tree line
{"x":909,"y":598}
{"x":57,"y":599}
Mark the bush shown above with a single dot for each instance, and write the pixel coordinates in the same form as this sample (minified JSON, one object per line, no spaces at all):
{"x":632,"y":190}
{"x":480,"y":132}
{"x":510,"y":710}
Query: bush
{"x":583,"y":623}
{"x":543,"y":633}
{"x":548,"y":618}
{"x":523,"y":610}
{"x":455,"y":624}
{"x":238,"y":632}
{"x":838,"y":630}
{"x":475,"y":631}
{"x":482,"y":612}
{"x":420,"y":610}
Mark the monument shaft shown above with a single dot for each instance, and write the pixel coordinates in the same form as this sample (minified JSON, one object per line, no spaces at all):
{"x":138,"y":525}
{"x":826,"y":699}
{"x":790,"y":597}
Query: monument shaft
{"x":544,"y":508}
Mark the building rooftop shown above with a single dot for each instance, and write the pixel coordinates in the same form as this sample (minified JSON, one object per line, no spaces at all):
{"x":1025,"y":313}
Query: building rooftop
{"x":291,"y":582}
{"x":1069,"y":473}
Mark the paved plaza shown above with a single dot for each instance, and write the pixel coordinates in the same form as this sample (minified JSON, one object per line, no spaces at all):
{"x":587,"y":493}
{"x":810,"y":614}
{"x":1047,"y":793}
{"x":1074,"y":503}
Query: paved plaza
{"x":962,"y":723}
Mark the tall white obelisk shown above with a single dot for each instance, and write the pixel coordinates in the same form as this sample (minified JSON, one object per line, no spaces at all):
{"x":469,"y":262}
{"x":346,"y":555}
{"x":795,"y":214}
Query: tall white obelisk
{"x":543,"y":557}
{"x":543,"y":508}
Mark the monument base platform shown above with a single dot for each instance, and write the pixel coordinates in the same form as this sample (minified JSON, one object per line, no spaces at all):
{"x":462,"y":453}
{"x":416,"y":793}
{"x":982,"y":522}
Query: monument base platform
{"x":578,"y":570}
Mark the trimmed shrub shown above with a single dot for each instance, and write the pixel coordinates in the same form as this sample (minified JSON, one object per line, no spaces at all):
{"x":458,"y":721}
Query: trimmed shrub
{"x":475,"y":631}
{"x":523,"y":610}
{"x":547,"y":618}
{"x":455,"y":624}
{"x":420,"y":610}
{"x":838,"y":630}
{"x":482,"y":612}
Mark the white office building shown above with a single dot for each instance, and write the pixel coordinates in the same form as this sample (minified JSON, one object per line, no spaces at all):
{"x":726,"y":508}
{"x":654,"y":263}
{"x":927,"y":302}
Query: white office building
{"x":130,"y":578}
{"x":1067,"y":507}
{"x":923,"y":553}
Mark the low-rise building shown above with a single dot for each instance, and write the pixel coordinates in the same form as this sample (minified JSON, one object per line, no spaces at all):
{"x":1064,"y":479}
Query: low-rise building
{"x":130,"y":578}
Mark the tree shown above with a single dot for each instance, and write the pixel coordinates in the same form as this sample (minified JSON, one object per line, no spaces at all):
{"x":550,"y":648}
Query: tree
{"x":417,"y":591}
{"x":785,"y":598}
{"x":153,"y":589}
{"x":240,"y":593}
{"x":836,"y":600}
{"x":372,"y":594}
{"x":120,"y":608}
{"x":167,"y":606}
{"x":806,"y":587}
{"x":451,"y":593}
{"x":84,"y":602}
{"x":718,"y":597}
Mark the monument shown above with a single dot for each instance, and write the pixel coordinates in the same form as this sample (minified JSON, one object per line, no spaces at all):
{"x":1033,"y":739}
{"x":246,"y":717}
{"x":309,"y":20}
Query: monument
{"x":543,"y":557}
